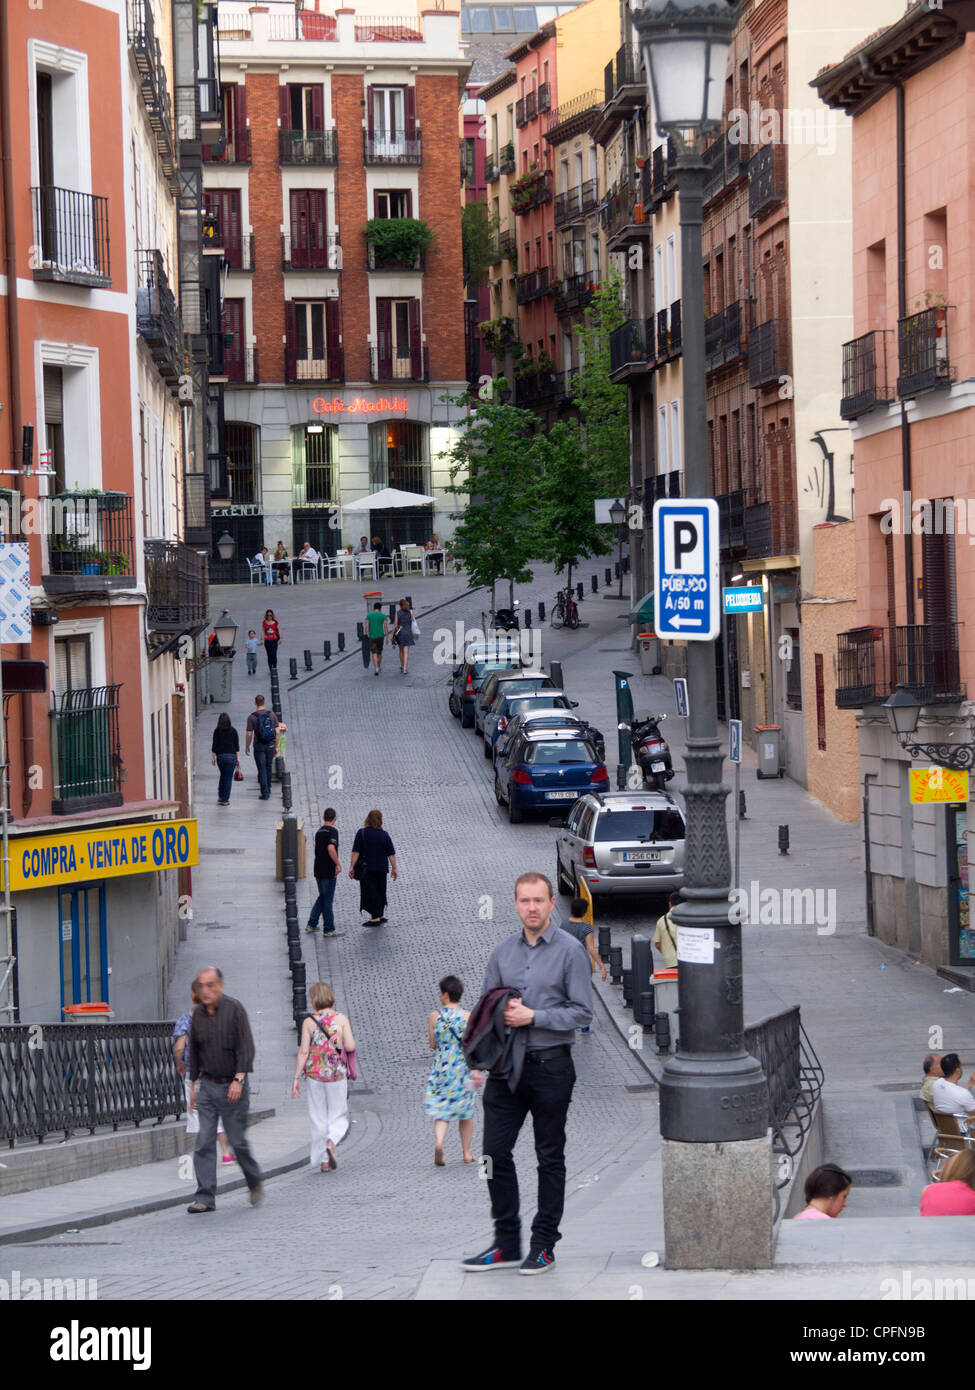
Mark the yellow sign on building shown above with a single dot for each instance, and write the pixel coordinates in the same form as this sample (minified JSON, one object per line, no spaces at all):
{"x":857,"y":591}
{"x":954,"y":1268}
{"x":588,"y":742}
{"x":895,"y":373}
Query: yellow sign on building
{"x":46,"y":861}
{"x":938,"y":784}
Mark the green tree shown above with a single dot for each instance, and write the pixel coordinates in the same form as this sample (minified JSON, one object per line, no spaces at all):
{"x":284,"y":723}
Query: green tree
{"x":602,"y":404}
{"x":477,"y":231}
{"x":567,"y":488}
{"x":493,"y":465}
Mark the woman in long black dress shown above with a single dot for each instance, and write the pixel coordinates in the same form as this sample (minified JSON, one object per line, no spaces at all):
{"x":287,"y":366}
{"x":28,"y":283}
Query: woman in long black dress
{"x":374,"y":848}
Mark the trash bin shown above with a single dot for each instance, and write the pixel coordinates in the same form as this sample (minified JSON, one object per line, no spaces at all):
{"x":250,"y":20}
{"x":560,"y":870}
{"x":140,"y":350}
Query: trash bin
{"x":649,"y":644}
{"x":769,"y":738}
{"x":665,"y":1000}
{"x":84,"y":1013}
{"x":220,"y":679}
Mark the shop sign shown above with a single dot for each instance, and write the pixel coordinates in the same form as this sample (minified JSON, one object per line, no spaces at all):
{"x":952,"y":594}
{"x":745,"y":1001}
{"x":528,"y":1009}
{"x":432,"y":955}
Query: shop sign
{"x":111,"y":851}
{"x":361,"y":405}
{"x":938,"y":784}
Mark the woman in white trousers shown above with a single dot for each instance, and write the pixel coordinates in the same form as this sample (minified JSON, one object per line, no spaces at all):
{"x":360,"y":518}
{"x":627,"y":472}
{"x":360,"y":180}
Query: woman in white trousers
{"x":324,"y":1036}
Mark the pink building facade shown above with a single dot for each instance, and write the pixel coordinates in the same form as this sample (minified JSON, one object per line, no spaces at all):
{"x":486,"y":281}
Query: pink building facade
{"x":532,"y":196}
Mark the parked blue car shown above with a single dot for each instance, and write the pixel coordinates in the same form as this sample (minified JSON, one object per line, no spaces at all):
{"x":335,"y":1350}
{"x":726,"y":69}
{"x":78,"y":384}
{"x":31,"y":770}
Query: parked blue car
{"x":549,"y":768}
{"x":508,"y":703}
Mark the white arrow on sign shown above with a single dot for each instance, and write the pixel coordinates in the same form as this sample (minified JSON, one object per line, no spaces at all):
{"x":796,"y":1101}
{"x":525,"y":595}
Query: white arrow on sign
{"x":687,"y":622}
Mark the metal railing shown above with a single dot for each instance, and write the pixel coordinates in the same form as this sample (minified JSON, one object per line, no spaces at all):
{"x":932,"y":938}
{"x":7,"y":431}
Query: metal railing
{"x":96,"y":537}
{"x":177,"y":597}
{"x":507,"y":162}
{"x":660,"y":486}
{"x":323,"y":255}
{"x":663,"y":176}
{"x":71,"y":232}
{"x":308,"y":146}
{"x":531,"y":190}
{"x":926,"y":660}
{"x":157,"y":316}
{"x":241,"y":367}
{"x":768,"y":353}
{"x":731,"y":520}
{"x":864,"y":374}
{"x":588,"y":104}
{"x":331,"y":367}
{"x":389,"y":29}
{"x":862,"y":677}
{"x":628,"y":346}
{"x":669,"y":336}
{"x":86,"y":1076}
{"x":795,"y":1081}
{"x":236,"y":150}
{"x":722,"y":337}
{"x":505,"y":248}
{"x":410,"y":365}
{"x":533,"y":284}
{"x":624,"y":71}
{"x":406,"y":476}
{"x":922,"y":351}
{"x":392,"y":147}
{"x":86,"y":747}
{"x":575,"y":293}
{"x":375,"y":260}
{"x":492,"y":168}
{"x":535,"y":388}
{"x":766,"y":179}
{"x":152,"y":81}
{"x":771,"y":528}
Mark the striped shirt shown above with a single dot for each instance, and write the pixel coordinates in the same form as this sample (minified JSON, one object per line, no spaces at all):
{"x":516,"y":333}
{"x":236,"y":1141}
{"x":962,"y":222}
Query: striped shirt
{"x":221,"y":1043}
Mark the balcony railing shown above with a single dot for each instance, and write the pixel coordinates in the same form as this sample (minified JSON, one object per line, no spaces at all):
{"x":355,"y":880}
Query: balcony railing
{"x":87,"y":751}
{"x":507,"y":163}
{"x":492,"y":168}
{"x":237,"y":252}
{"x":152,"y":81}
{"x":766,"y":179}
{"x":177,"y":598}
{"x":862,"y":674}
{"x":92,"y":547}
{"x":574,"y":203}
{"x":241,"y":367}
{"x":663,"y":177}
{"x":504,"y":249}
{"x":326,"y":255}
{"x":157,"y":317}
{"x":331,"y":367}
{"x":376,"y":260}
{"x":575,"y":293}
{"x":236,"y":150}
{"x":926,"y":661}
{"x":411,"y":364}
{"x":630,"y":350}
{"x":924,"y":364}
{"x":624,"y":71}
{"x":731,"y":521}
{"x":531,"y":190}
{"x":308,"y":146}
{"x":533,"y":285}
{"x":768,"y":353}
{"x":196,"y":508}
{"x":661,"y":485}
{"x":234,"y":481}
{"x":389,"y":29}
{"x":726,"y":160}
{"x":71,"y":232}
{"x":617,"y":207}
{"x":565,"y":385}
{"x":535,"y":388}
{"x":722,"y":337}
{"x":669,"y":338}
{"x":864,"y":374}
{"x":771,"y":528}
{"x":392,"y":147}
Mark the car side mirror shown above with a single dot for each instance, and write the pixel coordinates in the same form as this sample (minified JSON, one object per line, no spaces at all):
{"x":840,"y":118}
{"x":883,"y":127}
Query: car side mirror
{"x":558,"y":822}
{"x":573,"y":704}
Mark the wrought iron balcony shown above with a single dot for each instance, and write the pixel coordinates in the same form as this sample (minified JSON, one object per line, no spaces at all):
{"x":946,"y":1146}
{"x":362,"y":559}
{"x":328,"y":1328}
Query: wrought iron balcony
{"x":330,"y":367}
{"x":177,"y":598}
{"x":766,"y":179}
{"x":544,"y":97}
{"x":492,"y":168}
{"x":533,"y":285}
{"x":926,"y":660}
{"x":669,"y":338}
{"x":922,"y":340}
{"x":864,"y":374}
{"x":325,"y":254}
{"x":236,"y":149}
{"x":663,"y":176}
{"x":568,"y":206}
{"x":308,"y":147}
{"x":152,"y":82}
{"x":392,"y":147}
{"x":722,"y":337}
{"x":771,"y":528}
{"x":726,"y":162}
{"x":87,"y":752}
{"x":92,"y":546}
{"x":535,"y":388}
{"x":157,"y":317}
{"x":237,"y":249}
{"x":531,"y":190}
{"x":507,"y":163}
{"x":624,"y":72}
{"x":71,"y":232}
{"x":862,"y":673}
{"x":575,"y":293}
{"x":504,"y":249}
{"x":659,"y":486}
{"x":731,"y":522}
{"x":631,"y":349}
{"x":768,"y":353}
{"x":376,"y":260}
{"x":241,"y":367}
{"x":196,"y":509}
{"x":394,"y":364}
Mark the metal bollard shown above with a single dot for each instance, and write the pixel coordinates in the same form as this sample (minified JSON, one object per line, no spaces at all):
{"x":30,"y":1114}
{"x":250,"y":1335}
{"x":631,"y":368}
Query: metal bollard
{"x":286,"y":790}
{"x":307,"y":660}
{"x":292,"y":935}
{"x":528,"y":617}
{"x":327,"y":650}
{"x":642,"y":967}
{"x":298,"y":973}
{"x":293,"y":668}
{"x":580,"y":591}
{"x":643,"y":1009}
{"x":661,"y":1028}
{"x":541,"y":611}
{"x":294,"y":952}
{"x":627,"y":989}
{"x":287,"y":867}
{"x":626,"y":564}
{"x":783,"y":839}
{"x":616,"y":964}
{"x":392,"y":612}
{"x":299,"y":1000}
{"x":289,"y":842}
{"x":341,"y":641}
{"x":605,"y":942}
{"x":742,"y":813}
{"x":360,"y":631}
{"x":609,"y":577}
{"x":595,"y":583}
{"x":616,"y":570}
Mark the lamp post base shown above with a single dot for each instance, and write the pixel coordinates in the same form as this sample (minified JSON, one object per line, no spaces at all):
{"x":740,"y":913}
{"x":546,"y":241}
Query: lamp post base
{"x":718,"y":1204}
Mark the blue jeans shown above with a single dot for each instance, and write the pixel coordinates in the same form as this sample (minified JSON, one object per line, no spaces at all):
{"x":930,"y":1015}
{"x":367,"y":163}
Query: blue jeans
{"x":264,"y":757}
{"x":227,"y":763}
{"x":322,"y":906}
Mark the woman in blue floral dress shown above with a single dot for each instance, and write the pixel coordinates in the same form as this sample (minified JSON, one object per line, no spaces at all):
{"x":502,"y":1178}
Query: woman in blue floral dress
{"x":449,"y":1095}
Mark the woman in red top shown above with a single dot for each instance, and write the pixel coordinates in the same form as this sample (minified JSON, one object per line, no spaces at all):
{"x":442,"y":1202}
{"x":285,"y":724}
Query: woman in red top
{"x":954,"y":1195}
{"x":272,"y":636}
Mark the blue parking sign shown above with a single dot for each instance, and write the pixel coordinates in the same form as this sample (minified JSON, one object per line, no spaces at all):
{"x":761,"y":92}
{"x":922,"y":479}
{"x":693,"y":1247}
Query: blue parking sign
{"x":687,"y":589}
{"x":734,"y":740}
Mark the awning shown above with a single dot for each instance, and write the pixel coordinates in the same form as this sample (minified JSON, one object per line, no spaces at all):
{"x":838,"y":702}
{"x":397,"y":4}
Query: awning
{"x":643,"y":612}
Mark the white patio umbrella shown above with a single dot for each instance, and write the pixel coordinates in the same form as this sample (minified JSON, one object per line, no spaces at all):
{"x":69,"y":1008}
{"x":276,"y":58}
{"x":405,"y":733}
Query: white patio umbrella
{"x":386,"y":500}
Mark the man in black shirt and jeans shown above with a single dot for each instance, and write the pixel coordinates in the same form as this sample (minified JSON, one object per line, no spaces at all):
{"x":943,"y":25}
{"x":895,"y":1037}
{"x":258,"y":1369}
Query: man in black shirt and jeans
{"x":326,"y":871}
{"x":221,"y":1054}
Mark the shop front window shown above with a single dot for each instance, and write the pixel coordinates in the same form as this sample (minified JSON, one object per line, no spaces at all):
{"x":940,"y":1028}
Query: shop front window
{"x":83,"y":925}
{"x":959,"y":912}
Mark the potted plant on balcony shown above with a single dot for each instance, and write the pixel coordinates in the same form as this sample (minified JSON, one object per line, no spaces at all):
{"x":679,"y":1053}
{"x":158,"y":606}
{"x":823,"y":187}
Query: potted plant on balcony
{"x":499,"y":335}
{"x":398,"y":243}
{"x":526,"y":190}
{"x":110,"y":501}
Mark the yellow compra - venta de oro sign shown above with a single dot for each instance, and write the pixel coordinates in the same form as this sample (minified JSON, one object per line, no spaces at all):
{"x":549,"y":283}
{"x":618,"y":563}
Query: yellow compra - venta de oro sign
{"x":111,"y":851}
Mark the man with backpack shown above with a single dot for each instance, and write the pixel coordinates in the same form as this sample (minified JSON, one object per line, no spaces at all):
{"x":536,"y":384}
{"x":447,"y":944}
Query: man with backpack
{"x":262,"y":727}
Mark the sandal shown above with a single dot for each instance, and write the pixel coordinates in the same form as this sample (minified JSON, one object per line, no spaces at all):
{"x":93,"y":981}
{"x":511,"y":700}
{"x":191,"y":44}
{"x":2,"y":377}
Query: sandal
{"x":325,"y":1168}
{"x":333,"y":1162}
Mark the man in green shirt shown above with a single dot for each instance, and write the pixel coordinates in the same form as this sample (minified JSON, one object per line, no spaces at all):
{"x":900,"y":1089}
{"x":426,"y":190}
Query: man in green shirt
{"x":377,"y":630}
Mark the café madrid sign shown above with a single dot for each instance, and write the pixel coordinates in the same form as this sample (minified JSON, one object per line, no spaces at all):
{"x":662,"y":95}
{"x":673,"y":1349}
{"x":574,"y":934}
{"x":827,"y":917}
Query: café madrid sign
{"x":360,"y":405}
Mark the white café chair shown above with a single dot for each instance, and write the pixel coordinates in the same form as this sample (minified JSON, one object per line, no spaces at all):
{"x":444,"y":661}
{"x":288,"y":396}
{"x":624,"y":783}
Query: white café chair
{"x":303,"y":571}
{"x":257,"y":571}
{"x":368,"y":560}
{"x":414,"y":558}
{"x":336,"y":565}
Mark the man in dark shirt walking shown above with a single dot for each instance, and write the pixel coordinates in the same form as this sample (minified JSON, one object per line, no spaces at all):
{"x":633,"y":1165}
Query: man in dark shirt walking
{"x":262,"y":727}
{"x":552,"y":973}
{"x":221,"y":1054}
{"x":326,"y":871}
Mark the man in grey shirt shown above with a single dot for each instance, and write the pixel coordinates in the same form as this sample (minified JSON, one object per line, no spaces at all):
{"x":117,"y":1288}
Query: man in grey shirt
{"x":551,"y":972}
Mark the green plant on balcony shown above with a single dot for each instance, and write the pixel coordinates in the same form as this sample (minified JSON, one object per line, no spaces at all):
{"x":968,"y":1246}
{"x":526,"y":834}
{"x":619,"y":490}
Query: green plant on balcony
{"x":499,"y":335}
{"x":398,"y":241}
{"x":526,"y":190}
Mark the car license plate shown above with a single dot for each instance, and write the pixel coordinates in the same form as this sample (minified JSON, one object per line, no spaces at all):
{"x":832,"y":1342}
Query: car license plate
{"x":562,"y":796}
{"x":640,"y":856}
{"x":658,"y":767}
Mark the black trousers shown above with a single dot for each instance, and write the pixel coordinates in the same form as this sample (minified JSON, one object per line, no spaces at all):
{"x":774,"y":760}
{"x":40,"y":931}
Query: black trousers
{"x":544,"y":1091}
{"x":372,"y":892}
{"x":212,"y":1105}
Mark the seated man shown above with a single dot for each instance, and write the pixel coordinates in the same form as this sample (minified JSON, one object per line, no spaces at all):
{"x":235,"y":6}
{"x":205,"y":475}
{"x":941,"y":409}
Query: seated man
{"x":932,"y":1071}
{"x":308,"y":555}
{"x":947,"y":1095}
{"x":363,"y":547}
{"x":263,"y":559}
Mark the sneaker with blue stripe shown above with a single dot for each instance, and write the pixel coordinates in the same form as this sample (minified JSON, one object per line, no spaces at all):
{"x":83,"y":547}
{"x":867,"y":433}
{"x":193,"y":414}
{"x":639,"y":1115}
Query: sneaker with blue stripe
{"x":492,"y":1258}
{"x":537,"y":1262}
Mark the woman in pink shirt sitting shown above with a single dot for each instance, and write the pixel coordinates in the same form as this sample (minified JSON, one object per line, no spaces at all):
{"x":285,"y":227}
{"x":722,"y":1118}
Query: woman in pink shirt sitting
{"x":954,"y":1195}
{"x":827,"y":1189}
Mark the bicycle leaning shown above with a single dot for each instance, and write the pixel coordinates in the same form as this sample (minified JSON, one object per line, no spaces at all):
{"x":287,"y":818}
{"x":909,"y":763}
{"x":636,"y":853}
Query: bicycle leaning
{"x":565,"y":612}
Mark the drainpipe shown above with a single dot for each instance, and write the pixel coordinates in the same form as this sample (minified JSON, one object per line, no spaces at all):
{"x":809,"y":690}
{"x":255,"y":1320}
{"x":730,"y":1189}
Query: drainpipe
{"x":13,"y":359}
{"x":868,"y":777}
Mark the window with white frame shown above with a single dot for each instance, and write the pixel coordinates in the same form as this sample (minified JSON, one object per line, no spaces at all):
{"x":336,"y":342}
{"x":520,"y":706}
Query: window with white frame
{"x":663,"y":452}
{"x":676,"y":437}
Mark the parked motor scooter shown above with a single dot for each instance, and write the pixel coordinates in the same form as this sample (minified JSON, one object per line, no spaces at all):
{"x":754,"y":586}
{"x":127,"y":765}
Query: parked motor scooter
{"x":506,"y":619}
{"x":651,"y":751}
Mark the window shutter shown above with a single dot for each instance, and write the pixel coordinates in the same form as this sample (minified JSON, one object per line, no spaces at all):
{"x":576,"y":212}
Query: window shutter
{"x":284,"y":106}
{"x":53,"y":396}
{"x":409,"y":102}
{"x":416,"y":347}
{"x":317,"y":108}
{"x":291,"y":337}
{"x":240,"y":102}
{"x":332,"y":346}
{"x":370,"y":112}
{"x":298,"y":199}
{"x":409,"y":202}
{"x":375,"y":202}
{"x":317,"y":221}
{"x":384,"y":336}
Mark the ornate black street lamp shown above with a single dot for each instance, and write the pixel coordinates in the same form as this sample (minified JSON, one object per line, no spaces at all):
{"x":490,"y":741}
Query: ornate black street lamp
{"x":903,"y":710}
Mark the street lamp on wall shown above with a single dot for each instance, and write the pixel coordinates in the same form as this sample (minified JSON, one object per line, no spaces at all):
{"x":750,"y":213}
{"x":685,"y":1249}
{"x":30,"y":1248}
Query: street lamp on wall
{"x":226,"y":546}
{"x":617,"y":516}
{"x":903,"y":711}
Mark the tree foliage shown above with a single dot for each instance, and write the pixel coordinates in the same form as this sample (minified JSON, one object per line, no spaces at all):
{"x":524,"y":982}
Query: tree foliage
{"x":567,"y":488}
{"x":477,"y":232}
{"x":602,"y":404}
